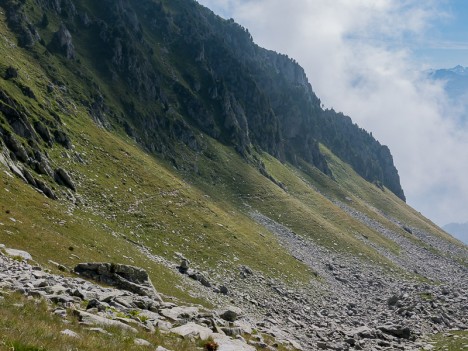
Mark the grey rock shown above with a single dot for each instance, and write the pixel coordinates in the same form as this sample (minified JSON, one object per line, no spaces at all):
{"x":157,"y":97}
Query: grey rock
{"x":396,"y":330}
{"x":16,"y":147}
{"x":99,"y":331}
{"x":232,"y":331}
{"x":29,"y":178}
{"x":227,"y":344}
{"x":231,"y":314}
{"x":63,"y":178}
{"x":91,"y":319}
{"x":141,"y":342}
{"x":164,"y":325}
{"x":124,"y":277}
{"x":46,"y":189}
{"x":44,"y":132}
{"x":223,"y":290}
{"x":60,"y":299}
{"x":18,"y":253}
{"x":70,"y":333}
{"x":184,"y":266}
{"x":245,"y":271}
{"x":160,"y":348}
{"x":61,"y":313}
{"x":62,"y":41}
{"x":392,"y":301}
{"x":190,"y":330}
{"x":201,"y":278}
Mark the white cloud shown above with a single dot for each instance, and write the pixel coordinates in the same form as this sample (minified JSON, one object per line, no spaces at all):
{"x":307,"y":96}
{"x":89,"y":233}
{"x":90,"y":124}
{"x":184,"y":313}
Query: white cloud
{"x":358,"y":59}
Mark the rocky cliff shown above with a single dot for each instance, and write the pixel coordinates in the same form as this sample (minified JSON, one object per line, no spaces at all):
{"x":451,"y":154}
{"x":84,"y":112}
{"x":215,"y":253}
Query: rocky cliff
{"x":179,"y":68}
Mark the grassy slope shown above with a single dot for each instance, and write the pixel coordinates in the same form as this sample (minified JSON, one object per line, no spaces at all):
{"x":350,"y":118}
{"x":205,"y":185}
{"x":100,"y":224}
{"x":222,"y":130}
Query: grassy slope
{"x":29,"y":325}
{"x":130,"y":195}
{"x":451,"y":341}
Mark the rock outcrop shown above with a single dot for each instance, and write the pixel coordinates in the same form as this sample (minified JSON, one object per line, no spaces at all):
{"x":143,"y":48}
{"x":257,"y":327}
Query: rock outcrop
{"x":134,"y":298}
{"x":121,"y":276}
{"x":63,"y":43}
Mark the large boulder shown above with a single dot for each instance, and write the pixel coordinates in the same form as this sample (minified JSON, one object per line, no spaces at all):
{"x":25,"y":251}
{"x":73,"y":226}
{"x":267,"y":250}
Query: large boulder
{"x":92,"y":319}
{"x":62,"y":42}
{"x":62,"y":177}
{"x":231,"y":314}
{"x":227,"y":344}
{"x":192,"y":330}
{"x":177,"y":313}
{"x":130,"y":278}
{"x":18,"y":253}
{"x":396,"y":330}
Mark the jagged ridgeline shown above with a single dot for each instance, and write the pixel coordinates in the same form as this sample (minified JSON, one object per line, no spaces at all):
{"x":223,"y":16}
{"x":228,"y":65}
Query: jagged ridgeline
{"x":164,"y":70}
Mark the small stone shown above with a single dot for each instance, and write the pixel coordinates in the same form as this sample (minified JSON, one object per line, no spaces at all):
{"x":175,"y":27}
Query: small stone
{"x":160,"y":348}
{"x":100,"y":331}
{"x":61,"y":312}
{"x":70,"y":333}
{"x":141,"y":342}
{"x":62,"y":177}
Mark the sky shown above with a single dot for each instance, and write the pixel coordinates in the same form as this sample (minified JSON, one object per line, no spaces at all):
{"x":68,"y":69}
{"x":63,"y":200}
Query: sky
{"x":367,"y":59}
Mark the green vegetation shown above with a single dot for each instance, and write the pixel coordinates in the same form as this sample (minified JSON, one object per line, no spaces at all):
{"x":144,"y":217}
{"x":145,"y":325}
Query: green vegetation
{"x":451,"y":341}
{"x":427,"y":296}
{"x":29,"y":325}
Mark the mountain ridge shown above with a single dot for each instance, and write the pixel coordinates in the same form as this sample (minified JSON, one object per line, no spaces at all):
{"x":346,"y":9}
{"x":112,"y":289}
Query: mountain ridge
{"x":239,"y":74}
{"x":455,"y":80}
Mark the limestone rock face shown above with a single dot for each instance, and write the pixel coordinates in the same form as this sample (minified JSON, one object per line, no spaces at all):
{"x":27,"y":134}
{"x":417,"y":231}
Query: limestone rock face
{"x":193,"y":330}
{"x":122,"y":276}
{"x":62,"y":42}
{"x":18,"y":253}
{"x":62,"y":177}
{"x":91,"y":319}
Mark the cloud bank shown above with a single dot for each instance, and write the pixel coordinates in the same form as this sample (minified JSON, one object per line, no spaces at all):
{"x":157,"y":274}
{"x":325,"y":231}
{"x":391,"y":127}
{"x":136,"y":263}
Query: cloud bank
{"x":357,"y":55}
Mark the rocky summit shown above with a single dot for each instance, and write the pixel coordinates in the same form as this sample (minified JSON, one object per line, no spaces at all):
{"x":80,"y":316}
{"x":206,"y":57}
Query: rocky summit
{"x":167,"y":184}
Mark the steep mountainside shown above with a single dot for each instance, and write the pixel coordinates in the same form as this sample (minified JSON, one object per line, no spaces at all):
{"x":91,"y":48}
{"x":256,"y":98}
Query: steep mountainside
{"x":192,"y":70}
{"x":158,"y":135}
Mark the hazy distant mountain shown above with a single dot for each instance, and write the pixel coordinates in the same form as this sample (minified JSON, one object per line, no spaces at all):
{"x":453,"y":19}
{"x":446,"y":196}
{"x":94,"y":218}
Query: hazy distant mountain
{"x":458,"y":230}
{"x":456,"y":79}
{"x":456,"y":86}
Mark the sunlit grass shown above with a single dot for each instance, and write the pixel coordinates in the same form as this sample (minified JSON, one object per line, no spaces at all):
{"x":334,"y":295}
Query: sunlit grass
{"x":451,"y":341}
{"x":30,"y":325}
